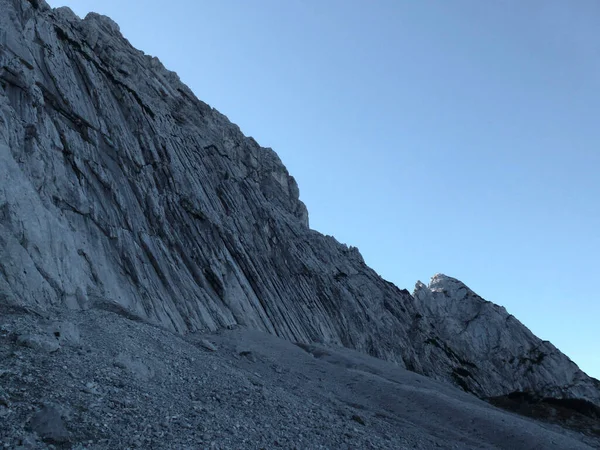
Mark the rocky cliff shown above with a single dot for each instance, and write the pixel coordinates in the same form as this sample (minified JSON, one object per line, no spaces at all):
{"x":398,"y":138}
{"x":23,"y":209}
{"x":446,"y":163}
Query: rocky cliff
{"x":486,"y":346}
{"x":119,"y":188}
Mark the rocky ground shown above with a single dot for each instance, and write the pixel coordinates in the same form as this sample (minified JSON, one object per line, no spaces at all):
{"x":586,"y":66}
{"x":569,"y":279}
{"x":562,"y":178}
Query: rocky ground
{"x":104,"y":379}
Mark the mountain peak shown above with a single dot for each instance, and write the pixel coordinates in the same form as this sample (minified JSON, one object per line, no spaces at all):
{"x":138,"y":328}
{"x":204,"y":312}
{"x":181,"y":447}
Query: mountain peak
{"x":439,"y":282}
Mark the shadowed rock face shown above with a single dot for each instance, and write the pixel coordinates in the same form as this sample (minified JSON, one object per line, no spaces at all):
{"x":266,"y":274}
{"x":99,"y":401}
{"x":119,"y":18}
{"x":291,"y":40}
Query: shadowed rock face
{"x":120,"y":190}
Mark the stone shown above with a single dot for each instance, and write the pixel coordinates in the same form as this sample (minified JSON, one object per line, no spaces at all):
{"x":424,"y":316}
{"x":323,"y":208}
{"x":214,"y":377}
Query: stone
{"x":91,"y":388}
{"x":207,"y":345}
{"x":40,"y":342}
{"x":358,"y":419}
{"x":66,"y":333}
{"x":49,"y":425}
{"x":134,"y":365}
{"x":4,"y":397}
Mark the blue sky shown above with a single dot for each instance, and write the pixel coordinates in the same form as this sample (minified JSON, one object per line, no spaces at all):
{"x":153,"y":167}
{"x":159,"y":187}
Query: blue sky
{"x":458,"y":137}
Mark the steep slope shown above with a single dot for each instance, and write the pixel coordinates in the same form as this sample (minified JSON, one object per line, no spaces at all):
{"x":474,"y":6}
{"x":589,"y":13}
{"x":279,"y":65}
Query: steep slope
{"x":490,"y":347}
{"x":118,"y":187}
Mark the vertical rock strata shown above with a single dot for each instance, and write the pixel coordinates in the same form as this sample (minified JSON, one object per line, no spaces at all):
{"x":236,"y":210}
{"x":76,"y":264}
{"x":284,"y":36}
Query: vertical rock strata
{"x":118,"y":186}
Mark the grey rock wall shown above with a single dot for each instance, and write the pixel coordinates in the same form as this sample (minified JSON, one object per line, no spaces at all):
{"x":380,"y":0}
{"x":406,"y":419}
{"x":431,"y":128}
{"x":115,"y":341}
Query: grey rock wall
{"x":490,"y":351}
{"x":120,"y":189}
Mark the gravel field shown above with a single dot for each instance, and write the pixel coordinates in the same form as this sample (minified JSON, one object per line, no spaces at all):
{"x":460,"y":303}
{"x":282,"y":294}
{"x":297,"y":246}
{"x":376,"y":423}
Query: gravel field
{"x":104,"y":379}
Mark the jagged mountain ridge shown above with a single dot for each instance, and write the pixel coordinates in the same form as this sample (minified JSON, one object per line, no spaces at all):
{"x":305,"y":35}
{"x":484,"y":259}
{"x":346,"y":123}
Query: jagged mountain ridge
{"x":119,"y":186}
{"x":495,"y":339}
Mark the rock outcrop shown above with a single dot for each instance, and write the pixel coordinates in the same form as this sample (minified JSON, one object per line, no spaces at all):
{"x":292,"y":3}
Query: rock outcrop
{"x":486,"y":346}
{"x":119,"y":189}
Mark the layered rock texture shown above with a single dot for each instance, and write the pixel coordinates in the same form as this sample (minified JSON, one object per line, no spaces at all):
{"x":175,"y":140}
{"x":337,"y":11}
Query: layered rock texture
{"x":120,"y":189}
{"x":486,"y":346}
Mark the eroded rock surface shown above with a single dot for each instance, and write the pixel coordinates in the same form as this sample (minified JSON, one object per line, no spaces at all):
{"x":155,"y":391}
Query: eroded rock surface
{"x":121,"y":191}
{"x":489,"y":351}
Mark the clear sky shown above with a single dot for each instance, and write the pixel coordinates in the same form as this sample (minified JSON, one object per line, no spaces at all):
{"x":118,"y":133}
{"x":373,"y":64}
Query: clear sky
{"x":457,"y":136}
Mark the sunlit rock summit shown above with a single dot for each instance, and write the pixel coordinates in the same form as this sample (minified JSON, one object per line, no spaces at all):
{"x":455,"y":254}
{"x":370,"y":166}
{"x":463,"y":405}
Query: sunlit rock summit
{"x":120,"y":189}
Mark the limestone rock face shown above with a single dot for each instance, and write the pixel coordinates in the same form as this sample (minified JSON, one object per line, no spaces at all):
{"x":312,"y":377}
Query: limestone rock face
{"x":120,"y":190}
{"x":492,"y":352}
